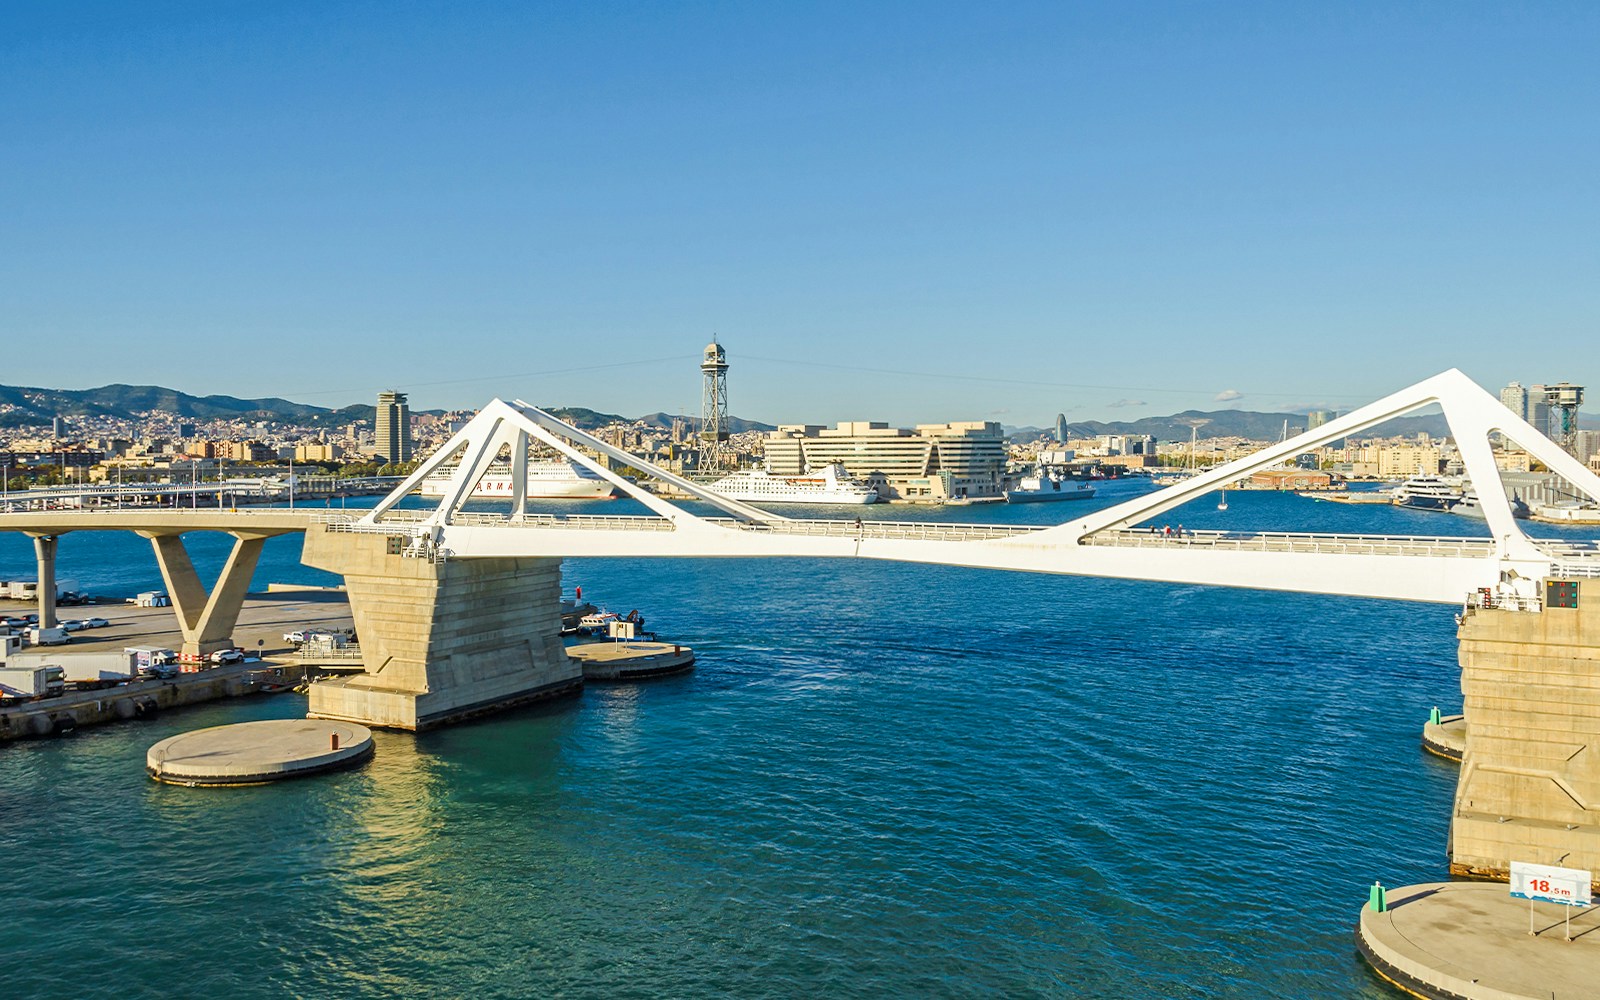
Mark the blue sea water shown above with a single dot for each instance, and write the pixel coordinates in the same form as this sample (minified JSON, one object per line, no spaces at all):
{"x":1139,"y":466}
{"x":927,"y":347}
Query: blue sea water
{"x":882,"y":780}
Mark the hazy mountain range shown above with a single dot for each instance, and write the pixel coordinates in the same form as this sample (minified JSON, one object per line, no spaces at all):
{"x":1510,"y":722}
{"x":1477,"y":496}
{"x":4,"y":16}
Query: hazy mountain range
{"x":35,"y":407}
{"x":1249,"y":424}
{"x":29,"y":406}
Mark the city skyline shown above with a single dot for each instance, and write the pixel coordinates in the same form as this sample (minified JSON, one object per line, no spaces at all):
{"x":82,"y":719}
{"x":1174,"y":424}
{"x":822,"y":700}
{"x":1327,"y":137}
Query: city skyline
{"x":909,"y":213}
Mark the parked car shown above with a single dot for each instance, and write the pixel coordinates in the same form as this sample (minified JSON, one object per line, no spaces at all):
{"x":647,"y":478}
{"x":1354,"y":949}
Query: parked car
{"x":222,"y":656}
{"x":75,"y":625}
{"x":95,"y":623}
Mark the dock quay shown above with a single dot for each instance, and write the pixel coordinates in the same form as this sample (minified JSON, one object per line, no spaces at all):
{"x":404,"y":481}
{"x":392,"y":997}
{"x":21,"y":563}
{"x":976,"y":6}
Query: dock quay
{"x":1445,"y":736}
{"x":138,"y":699}
{"x":1473,"y":941}
{"x":263,"y":620}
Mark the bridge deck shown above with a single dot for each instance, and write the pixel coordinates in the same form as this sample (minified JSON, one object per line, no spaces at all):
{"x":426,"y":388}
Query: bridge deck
{"x":1573,"y":558}
{"x":1584,"y":557}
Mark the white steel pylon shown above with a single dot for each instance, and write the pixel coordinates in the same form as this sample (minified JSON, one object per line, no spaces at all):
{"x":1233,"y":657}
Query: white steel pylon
{"x":503,"y":426}
{"x":1473,"y":415}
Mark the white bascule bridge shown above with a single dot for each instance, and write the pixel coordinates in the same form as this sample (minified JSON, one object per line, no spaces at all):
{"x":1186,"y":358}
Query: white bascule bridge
{"x":459,"y":610}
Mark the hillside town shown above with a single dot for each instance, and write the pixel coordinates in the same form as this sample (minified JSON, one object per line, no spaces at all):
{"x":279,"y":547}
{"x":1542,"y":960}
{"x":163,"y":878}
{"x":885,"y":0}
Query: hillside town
{"x":971,"y":460}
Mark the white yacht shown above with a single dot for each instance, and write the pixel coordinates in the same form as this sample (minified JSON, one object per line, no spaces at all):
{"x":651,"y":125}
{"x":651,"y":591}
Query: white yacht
{"x":1043,"y":486}
{"x":833,"y":485}
{"x":551,"y":479}
{"x":1428,"y":492}
{"x":1453,"y":496}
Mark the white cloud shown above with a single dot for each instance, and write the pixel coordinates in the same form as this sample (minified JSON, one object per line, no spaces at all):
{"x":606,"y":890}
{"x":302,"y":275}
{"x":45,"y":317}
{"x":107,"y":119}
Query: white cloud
{"x":1130,"y":402}
{"x":1229,"y":395}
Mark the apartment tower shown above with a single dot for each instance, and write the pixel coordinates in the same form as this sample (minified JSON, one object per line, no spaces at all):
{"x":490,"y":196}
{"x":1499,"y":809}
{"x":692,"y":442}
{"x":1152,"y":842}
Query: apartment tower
{"x":393,"y":443}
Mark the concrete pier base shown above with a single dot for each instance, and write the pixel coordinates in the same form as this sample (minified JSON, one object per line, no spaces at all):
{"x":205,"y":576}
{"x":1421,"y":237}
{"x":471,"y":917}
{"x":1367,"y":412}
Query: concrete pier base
{"x":632,"y":660}
{"x":1472,"y":941}
{"x":1530,"y":776}
{"x":254,"y":753}
{"x":1446,"y":738}
{"x":441,"y":640}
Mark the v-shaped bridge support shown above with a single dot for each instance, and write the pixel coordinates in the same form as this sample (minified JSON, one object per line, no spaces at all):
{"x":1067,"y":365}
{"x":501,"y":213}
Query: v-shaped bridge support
{"x":503,"y":427}
{"x":206,"y":620}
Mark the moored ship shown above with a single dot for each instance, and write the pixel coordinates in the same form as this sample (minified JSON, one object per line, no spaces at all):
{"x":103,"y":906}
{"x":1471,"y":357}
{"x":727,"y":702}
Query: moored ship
{"x":552,"y":479}
{"x":1046,"y":486}
{"x":1452,"y":496}
{"x":1428,"y":492}
{"x":833,"y":485}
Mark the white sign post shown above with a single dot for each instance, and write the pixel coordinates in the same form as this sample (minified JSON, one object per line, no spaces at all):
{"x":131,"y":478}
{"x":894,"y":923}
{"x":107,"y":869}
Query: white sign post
{"x":1567,"y":887}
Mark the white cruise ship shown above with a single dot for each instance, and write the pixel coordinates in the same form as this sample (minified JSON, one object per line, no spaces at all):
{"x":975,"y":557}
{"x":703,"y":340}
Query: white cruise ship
{"x":832,"y":485}
{"x":554,"y":479}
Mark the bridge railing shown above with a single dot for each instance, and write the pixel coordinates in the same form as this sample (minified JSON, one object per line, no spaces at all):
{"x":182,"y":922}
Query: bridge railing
{"x":905,"y":530}
{"x":409,"y":518}
{"x":1292,"y":541}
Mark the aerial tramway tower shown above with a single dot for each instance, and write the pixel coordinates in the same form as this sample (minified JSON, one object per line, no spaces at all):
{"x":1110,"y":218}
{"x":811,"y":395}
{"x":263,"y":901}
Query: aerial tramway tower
{"x":714,"y":408}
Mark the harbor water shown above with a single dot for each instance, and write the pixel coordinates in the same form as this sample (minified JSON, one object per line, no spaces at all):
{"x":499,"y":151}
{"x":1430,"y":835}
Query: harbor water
{"x":881,"y":780}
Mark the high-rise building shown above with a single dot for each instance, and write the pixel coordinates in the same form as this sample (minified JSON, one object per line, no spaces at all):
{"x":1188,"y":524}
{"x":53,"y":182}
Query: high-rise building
{"x":58,"y":428}
{"x":1061,"y":427}
{"x":1316,"y":418}
{"x":1586,"y":446}
{"x":1538,"y":409}
{"x":394,"y":427}
{"x":1515,"y":398}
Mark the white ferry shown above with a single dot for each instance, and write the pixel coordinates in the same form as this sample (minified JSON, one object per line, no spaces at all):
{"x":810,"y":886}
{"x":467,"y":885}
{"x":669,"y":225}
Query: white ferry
{"x":1043,"y":486}
{"x":553,"y":479}
{"x":832,"y":485}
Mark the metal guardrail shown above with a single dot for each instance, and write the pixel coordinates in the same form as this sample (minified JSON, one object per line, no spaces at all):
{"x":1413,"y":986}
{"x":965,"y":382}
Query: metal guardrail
{"x":1305,"y":542}
{"x":350,"y":652}
{"x":1503,"y":602}
{"x":900,"y":530}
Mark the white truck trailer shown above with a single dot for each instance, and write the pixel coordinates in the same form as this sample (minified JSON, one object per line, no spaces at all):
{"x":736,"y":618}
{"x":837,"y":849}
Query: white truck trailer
{"x":43,"y":681}
{"x":89,"y":671}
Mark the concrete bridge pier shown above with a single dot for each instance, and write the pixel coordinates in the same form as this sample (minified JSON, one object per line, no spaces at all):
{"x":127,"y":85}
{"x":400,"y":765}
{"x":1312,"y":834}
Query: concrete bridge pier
{"x":441,"y":639}
{"x":1530,"y":777}
{"x":44,"y":548}
{"x":206,"y":620}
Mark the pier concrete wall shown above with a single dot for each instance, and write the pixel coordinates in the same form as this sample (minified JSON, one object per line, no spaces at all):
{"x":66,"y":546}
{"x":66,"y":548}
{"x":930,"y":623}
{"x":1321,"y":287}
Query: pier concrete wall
{"x":1530,"y":777}
{"x":441,"y":640}
{"x":138,"y":699}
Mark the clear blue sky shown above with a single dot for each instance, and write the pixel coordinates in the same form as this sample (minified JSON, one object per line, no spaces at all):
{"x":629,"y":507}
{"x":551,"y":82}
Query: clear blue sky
{"x":1135,"y":204}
